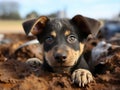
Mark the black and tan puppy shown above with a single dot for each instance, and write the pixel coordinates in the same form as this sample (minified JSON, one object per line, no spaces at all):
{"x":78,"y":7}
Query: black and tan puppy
{"x":63,"y":44}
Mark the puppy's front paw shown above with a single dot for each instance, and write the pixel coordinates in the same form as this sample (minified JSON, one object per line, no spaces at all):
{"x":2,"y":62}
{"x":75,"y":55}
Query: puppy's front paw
{"x":82,"y":77}
{"x":34,"y":62}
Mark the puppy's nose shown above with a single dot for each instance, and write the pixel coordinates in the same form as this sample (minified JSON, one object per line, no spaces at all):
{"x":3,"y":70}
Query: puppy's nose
{"x":60,"y":57}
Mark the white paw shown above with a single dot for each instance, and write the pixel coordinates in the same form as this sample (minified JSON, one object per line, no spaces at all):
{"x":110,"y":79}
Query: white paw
{"x":34,"y":62}
{"x":82,"y":77}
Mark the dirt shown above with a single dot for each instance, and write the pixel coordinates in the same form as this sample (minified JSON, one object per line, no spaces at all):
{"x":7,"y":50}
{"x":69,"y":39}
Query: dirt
{"x":15,"y":74}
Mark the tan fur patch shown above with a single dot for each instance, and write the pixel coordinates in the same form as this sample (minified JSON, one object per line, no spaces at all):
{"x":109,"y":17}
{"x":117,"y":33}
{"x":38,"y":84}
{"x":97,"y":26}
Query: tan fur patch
{"x":67,"y":32}
{"x":53,"y":33}
{"x":42,"y":20}
{"x":72,"y":57}
{"x":49,"y":58}
{"x":81,"y":48}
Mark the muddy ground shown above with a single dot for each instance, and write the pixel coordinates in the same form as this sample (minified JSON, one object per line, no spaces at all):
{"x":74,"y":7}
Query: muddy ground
{"x":15,"y":74}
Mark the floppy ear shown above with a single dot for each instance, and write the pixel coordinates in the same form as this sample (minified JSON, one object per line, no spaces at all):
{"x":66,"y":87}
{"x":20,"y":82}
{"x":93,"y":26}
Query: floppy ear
{"x":35,"y":26}
{"x":86,"y":25}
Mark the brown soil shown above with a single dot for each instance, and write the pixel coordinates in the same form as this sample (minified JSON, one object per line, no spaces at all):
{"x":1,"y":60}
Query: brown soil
{"x":16,"y":75}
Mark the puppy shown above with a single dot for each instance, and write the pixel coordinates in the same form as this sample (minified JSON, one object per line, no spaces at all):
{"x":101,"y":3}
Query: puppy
{"x":62,"y":43}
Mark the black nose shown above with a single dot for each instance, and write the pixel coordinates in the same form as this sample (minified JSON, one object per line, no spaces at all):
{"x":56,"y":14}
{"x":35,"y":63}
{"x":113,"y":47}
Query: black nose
{"x":60,"y":57}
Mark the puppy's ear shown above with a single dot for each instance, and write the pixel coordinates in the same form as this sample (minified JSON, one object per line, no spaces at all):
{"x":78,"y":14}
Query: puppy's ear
{"x":86,"y":25}
{"x":35,"y":26}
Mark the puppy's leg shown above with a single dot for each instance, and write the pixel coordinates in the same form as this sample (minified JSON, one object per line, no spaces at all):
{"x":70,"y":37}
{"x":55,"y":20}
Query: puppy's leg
{"x":82,"y":77}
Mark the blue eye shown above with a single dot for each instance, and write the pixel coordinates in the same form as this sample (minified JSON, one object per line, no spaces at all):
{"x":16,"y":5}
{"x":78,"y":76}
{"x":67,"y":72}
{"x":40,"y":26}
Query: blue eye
{"x":49,"y":40}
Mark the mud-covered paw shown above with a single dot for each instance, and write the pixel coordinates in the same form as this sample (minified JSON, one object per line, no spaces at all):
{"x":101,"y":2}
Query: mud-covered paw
{"x":82,"y":77}
{"x":34,"y":62}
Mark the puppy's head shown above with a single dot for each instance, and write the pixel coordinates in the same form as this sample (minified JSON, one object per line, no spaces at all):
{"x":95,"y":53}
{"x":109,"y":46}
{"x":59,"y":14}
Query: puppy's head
{"x":62,"y":39}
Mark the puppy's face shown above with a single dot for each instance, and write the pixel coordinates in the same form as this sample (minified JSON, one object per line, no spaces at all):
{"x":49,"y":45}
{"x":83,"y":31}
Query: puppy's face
{"x":61,"y":44}
{"x":62,"y":39}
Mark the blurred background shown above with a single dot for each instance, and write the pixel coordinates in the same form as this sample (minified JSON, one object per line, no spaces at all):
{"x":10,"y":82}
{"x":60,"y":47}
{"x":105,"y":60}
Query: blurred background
{"x":14,"y":12}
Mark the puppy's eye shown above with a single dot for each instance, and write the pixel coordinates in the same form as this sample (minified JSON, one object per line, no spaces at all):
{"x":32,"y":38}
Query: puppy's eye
{"x":49,"y":40}
{"x":71,"y":39}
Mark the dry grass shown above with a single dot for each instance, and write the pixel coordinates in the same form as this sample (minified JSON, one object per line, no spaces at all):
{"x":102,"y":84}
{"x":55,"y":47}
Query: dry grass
{"x":11,"y":26}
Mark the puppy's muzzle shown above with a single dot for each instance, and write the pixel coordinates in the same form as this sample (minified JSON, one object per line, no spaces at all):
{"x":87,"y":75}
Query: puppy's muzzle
{"x":60,"y":55}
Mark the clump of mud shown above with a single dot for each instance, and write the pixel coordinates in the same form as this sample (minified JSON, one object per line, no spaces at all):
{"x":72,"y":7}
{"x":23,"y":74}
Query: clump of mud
{"x":15,"y":74}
